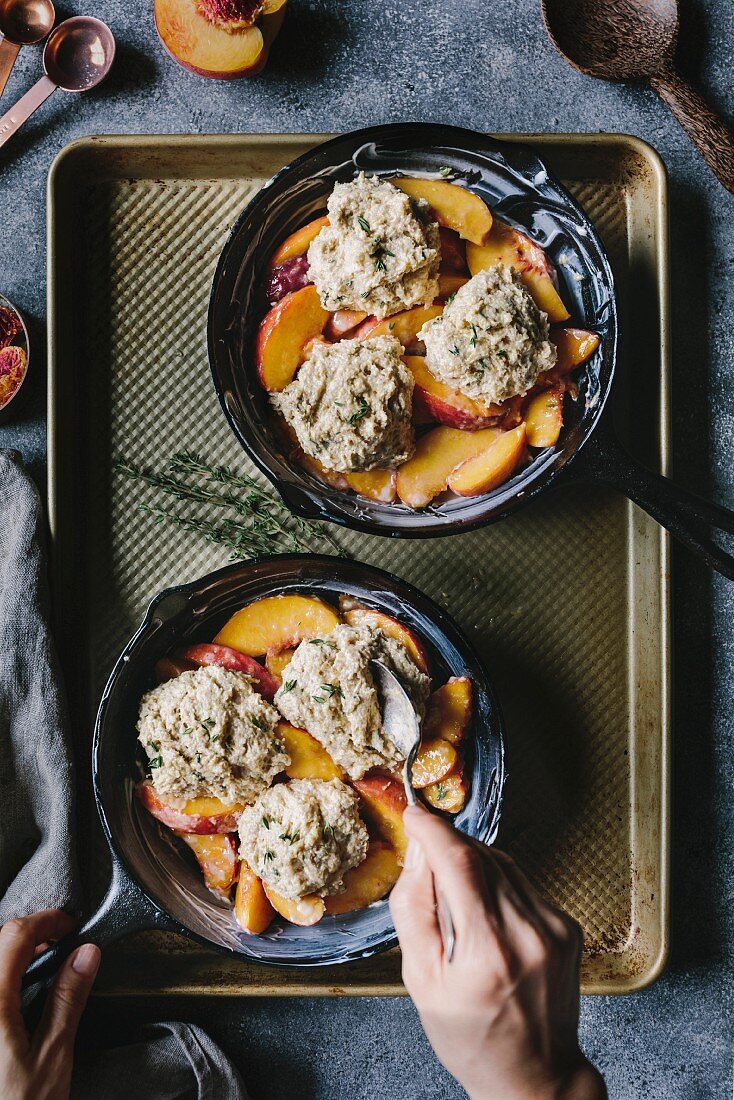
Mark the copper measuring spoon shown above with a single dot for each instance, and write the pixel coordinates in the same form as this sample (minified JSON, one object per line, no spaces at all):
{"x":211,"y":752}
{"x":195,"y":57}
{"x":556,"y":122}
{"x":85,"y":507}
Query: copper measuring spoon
{"x":78,"y":54}
{"x":22,"y":23}
{"x":636,"y":40}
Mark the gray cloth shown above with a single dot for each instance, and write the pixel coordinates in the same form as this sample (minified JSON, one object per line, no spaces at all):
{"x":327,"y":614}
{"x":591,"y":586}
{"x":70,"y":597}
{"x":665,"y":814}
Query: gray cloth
{"x":37,"y":861}
{"x":37,"y":865}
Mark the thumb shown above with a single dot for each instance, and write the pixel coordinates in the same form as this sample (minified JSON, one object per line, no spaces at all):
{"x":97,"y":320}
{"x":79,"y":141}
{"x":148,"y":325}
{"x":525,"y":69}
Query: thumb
{"x":67,"y":1000}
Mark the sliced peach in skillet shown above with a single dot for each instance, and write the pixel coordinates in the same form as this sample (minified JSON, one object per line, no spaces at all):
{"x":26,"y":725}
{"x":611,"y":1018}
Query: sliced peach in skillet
{"x":403,"y":326}
{"x":276,"y":660}
{"x":367,"y":883}
{"x":394,"y":629}
{"x":277,"y":622}
{"x":216,"y":855}
{"x":575,"y":346}
{"x":383,"y":801}
{"x":343,"y":321}
{"x":544,"y":417}
{"x":453,"y":251}
{"x":309,"y":759}
{"x":445,"y":405}
{"x":448,"y":794}
{"x":453,"y":206}
{"x":449,"y":710}
{"x":425,"y":476}
{"x":252,"y":910}
{"x":435,"y":759}
{"x":168,"y":668}
{"x":448,"y":284}
{"x":283,"y":335}
{"x":198,"y":815}
{"x":302,"y":911}
{"x":506,"y":245}
{"x":210,"y":654}
{"x":374,"y":484}
{"x":491,"y":467}
{"x":297,"y":243}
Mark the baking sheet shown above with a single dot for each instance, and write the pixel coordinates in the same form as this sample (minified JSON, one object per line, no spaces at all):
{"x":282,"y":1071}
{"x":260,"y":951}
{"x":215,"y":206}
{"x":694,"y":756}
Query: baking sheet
{"x":568,"y":602}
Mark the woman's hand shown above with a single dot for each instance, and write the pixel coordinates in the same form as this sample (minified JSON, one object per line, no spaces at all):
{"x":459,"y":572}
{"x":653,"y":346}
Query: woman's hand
{"x":502,"y":1016}
{"x":38,"y":1067}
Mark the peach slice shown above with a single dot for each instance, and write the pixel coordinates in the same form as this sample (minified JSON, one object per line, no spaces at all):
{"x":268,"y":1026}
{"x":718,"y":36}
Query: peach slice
{"x":446,"y":405}
{"x":403,"y":326}
{"x":284,"y":333}
{"x":225,"y":657}
{"x":575,"y":346}
{"x":223,"y":40}
{"x":216,"y":855}
{"x":544,"y":418}
{"x":383,"y":801}
{"x":453,"y":206}
{"x":449,"y":711}
{"x":198,"y":815}
{"x":448,"y":794}
{"x":343,"y":321}
{"x":309,"y":759}
{"x":276,"y":661}
{"x":277,"y":622}
{"x":453,"y":251}
{"x":491,"y":467}
{"x":252,"y":910}
{"x":509,"y":246}
{"x":394,"y":629}
{"x":330,"y":477}
{"x":425,"y":476}
{"x":302,"y":911}
{"x":367,"y":883}
{"x":168,"y":668}
{"x":449,"y":283}
{"x":435,"y":759}
{"x":297,"y":243}
{"x":374,"y":484}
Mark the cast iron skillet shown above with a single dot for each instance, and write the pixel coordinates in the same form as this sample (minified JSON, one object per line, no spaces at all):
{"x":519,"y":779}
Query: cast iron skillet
{"x":517,"y":185}
{"x":154,"y":884}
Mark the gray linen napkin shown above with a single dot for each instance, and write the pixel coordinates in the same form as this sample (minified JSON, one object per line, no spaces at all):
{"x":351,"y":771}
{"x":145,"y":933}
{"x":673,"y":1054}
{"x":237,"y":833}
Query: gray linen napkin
{"x":37,"y":864}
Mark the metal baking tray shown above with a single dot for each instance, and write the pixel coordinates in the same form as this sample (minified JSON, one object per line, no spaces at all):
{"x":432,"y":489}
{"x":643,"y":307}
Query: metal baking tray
{"x":569,"y":601}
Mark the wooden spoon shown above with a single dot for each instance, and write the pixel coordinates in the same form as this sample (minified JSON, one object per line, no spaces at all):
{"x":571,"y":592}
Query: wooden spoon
{"x":636,"y":40}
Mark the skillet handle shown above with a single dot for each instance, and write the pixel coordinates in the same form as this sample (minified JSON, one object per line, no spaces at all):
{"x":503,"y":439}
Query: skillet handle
{"x":687,"y":516}
{"x":124,"y":909}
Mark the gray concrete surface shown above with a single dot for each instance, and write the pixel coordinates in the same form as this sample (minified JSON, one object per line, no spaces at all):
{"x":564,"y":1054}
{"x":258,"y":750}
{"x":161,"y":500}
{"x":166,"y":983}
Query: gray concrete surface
{"x":489,"y":66}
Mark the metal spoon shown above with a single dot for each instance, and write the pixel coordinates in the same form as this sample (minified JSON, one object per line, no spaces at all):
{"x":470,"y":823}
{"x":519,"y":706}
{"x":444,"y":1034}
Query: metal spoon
{"x":636,"y":40}
{"x":401,"y":724}
{"x":78,"y":54}
{"x":22,"y":23}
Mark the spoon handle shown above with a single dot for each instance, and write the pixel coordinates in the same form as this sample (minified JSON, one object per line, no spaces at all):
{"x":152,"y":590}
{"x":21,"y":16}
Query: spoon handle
{"x":8,"y":53}
{"x":706,"y":129}
{"x":24,"y":108}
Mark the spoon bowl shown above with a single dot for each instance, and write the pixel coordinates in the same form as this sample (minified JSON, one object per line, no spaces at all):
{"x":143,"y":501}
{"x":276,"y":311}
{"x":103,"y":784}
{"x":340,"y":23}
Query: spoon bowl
{"x":79,"y":53}
{"x":26,"y":22}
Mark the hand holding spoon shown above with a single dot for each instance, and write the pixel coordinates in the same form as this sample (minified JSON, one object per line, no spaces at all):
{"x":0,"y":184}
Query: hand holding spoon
{"x":22,"y":23}
{"x":636,"y":40}
{"x":78,"y":55}
{"x":400,"y":723}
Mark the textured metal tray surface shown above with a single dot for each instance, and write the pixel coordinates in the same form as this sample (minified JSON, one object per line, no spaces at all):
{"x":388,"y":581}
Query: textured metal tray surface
{"x":567,"y":602}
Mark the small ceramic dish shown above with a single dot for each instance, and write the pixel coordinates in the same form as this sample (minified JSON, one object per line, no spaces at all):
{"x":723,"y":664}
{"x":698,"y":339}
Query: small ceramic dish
{"x":15,"y":353}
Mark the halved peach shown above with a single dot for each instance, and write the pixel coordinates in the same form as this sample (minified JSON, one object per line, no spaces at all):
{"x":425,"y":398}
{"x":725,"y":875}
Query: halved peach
{"x":277,"y":622}
{"x":453,"y":206}
{"x":445,"y":405}
{"x":575,"y":346}
{"x":297,"y":243}
{"x":198,"y":815}
{"x":490,"y":468}
{"x":394,"y":629}
{"x":210,"y":654}
{"x":506,"y":245}
{"x":374,"y":484}
{"x":449,"y":710}
{"x":425,"y":476}
{"x":343,"y":321}
{"x":449,"y":283}
{"x":216,"y":855}
{"x":435,"y":759}
{"x":448,"y":794}
{"x":302,"y":911}
{"x":544,"y":417}
{"x":215,"y":39}
{"x":367,"y":883}
{"x":252,"y":910}
{"x":383,"y":802}
{"x":276,"y":660}
{"x":309,"y":759}
{"x":283,"y":335}
{"x":403,"y":326}
{"x":168,"y":668}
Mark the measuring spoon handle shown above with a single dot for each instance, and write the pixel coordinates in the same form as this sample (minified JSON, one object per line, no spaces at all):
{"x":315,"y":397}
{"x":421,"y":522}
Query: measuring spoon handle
{"x":24,"y":108}
{"x":8,"y":53}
